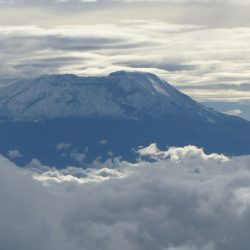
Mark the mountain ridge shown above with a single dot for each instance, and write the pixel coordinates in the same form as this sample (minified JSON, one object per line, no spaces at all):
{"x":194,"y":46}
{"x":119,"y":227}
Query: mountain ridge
{"x":127,"y":110}
{"x":119,"y":95}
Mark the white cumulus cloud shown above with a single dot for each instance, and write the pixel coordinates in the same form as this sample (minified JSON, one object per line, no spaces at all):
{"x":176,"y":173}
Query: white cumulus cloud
{"x":186,"y":201}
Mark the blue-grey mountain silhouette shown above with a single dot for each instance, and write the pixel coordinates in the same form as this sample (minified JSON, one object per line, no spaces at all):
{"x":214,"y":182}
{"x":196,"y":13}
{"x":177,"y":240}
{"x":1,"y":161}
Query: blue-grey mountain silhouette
{"x":100,"y":116}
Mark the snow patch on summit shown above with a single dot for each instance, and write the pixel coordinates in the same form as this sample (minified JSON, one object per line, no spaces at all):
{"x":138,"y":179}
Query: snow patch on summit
{"x":130,"y":95}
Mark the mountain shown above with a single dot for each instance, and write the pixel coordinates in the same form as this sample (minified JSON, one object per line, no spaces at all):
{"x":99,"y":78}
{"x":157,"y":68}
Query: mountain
{"x":121,"y":95}
{"x":100,"y":116}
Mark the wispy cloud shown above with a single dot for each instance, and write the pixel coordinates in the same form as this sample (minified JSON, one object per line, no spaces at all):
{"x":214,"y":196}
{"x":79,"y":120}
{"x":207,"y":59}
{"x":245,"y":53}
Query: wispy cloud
{"x":184,"y":55}
{"x":14,"y":153}
{"x":218,"y":92}
{"x":236,"y":112}
{"x":70,"y":2}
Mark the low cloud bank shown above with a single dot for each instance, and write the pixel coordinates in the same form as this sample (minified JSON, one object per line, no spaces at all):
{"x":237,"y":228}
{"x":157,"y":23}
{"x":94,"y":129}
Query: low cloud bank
{"x":183,"y":200}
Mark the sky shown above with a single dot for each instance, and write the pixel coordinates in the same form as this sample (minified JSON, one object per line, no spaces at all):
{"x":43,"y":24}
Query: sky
{"x":200,"y":46}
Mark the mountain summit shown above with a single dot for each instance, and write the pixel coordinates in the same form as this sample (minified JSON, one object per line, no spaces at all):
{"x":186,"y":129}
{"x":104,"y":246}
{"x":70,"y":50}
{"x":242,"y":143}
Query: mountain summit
{"x":114,"y":115}
{"x":122,"y":95}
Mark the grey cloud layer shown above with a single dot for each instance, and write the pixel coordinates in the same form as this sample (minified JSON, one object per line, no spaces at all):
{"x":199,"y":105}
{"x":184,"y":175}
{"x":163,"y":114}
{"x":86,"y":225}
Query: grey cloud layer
{"x":218,"y":92}
{"x":185,"y":200}
{"x":182,"y":54}
{"x":72,"y":2}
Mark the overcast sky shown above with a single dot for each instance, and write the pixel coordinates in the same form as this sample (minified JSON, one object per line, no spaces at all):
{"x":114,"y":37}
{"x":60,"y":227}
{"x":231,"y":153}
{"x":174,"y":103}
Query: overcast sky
{"x":188,"y":43}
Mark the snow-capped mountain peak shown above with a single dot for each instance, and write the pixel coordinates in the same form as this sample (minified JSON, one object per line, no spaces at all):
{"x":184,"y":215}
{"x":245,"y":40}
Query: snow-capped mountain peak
{"x":133,"y":95}
{"x":125,"y":109}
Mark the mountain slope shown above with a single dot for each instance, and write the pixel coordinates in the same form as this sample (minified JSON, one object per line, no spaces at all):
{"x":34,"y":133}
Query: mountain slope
{"x":103,"y":116}
{"x":131,"y":95}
